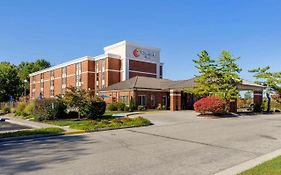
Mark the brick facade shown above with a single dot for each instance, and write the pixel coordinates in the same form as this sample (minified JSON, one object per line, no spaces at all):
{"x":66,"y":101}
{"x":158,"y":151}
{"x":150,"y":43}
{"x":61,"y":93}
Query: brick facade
{"x":152,"y":99}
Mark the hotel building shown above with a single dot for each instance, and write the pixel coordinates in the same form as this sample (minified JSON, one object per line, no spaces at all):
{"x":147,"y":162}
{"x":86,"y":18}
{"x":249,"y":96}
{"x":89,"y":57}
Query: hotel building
{"x":125,"y":71}
{"x":120,"y":62}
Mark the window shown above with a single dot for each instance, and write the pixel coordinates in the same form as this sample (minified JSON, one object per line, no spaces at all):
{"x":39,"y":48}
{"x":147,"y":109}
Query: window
{"x":103,"y":64}
{"x":63,"y":80}
{"x":164,"y":100}
{"x":153,"y":100}
{"x":124,"y":99}
{"x":33,"y":94}
{"x":41,"y":84}
{"x":97,"y":82}
{"x":52,"y":92}
{"x":52,"y":83}
{"x":102,"y":78}
{"x":142,"y":100}
{"x":33,"y":84}
{"x":78,"y":77}
{"x":97,"y":66}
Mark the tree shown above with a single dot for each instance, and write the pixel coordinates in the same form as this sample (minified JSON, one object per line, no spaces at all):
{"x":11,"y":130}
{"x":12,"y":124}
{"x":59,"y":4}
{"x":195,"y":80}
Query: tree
{"x":76,"y":99}
{"x":270,"y":80}
{"x":206,"y":81}
{"x":9,"y":82}
{"x":217,"y":77}
{"x":248,"y":95}
{"x":229,"y":78}
{"x":26,"y":68}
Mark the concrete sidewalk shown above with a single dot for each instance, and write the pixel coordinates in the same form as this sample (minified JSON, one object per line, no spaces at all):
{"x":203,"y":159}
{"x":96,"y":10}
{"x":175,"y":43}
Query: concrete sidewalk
{"x":36,"y":125}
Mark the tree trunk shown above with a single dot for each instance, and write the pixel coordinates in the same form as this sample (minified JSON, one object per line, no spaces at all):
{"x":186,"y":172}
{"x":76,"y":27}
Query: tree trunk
{"x":268,"y":102}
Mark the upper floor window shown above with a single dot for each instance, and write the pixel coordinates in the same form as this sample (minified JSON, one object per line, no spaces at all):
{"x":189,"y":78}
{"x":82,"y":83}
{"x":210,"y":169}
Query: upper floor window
{"x":78,"y":77}
{"x":97,"y":66}
{"x":103,"y":64}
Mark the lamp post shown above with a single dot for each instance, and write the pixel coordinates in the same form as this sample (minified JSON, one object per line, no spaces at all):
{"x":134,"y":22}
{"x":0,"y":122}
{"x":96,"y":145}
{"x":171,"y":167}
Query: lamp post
{"x":25,"y":81}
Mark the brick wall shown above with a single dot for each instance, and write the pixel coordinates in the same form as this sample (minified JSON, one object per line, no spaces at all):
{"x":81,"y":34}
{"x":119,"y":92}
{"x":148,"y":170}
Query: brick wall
{"x":142,"y":66}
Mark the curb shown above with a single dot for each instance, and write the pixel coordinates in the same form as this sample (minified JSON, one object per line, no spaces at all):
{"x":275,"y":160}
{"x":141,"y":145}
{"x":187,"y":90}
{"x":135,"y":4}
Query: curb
{"x":109,"y":129}
{"x":249,"y":164}
{"x":74,"y":132}
{"x":64,"y":133}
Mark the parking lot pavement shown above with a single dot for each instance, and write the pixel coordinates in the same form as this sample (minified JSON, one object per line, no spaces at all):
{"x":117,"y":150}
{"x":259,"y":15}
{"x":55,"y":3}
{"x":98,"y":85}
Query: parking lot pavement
{"x":178,"y":143}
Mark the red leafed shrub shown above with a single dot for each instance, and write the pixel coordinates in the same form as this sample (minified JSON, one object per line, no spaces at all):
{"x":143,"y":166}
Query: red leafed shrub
{"x":210,"y":105}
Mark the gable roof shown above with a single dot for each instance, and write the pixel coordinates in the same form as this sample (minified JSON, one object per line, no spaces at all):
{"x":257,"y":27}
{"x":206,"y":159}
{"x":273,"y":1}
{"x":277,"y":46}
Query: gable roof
{"x":140,"y":82}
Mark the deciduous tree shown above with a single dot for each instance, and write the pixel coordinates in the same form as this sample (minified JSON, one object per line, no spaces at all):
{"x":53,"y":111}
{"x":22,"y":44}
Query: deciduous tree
{"x":9,"y":82}
{"x":271,"y":80}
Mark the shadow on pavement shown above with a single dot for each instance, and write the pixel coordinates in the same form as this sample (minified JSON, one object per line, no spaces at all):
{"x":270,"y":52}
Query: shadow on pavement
{"x":30,"y":155}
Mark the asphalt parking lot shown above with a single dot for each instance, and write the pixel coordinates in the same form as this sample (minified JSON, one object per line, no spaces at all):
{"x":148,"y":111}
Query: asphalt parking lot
{"x":178,"y":143}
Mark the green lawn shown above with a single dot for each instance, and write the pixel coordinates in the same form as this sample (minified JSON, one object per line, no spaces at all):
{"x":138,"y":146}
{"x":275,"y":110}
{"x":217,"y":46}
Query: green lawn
{"x":272,"y":167}
{"x":32,"y":132}
{"x":93,"y":125}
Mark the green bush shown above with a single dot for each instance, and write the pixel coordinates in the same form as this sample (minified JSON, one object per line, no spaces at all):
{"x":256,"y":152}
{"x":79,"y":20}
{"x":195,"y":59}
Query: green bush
{"x":132,"y":105}
{"x":93,"y":109}
{"x":29,"y":109}
{"x":258,"y":107}
{"x":141,"y":108}
{"x":20,"y":108}
{"x":112,"y":107}
{"x":49,"y":109}
{"x":126,"y":108}
{"x":13,"y":110}
{"x":120,"y":106}
{"x":6,"y":109}
{"x":72,"y":114}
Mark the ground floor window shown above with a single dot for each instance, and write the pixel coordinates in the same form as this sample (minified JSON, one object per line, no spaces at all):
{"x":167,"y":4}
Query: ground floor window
{"x":142,"y":100}
{"x":153,"y":100}
{"x":164,"y":101}
{"x":124,"y":99}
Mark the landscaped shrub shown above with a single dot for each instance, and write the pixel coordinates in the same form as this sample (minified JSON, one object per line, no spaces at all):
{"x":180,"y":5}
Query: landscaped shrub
{"x":13,"y":110}
{"x":120,"y":106}
{"x":6,"y":109}
{"x":20,"y":108}
{"x":29,"y":109}
{"x":141,"y":108}
{"x":211,"y":105}
{"x":72,"y":114}
{"x":112,"y":107}
{"x":132,"y":105}
{"x":126,"y":108}
{"x":93,"y":109}
{"x":49,"y":109}
{"x":258,"y":107}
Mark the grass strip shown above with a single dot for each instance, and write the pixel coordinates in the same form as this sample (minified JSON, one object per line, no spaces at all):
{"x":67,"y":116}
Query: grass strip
{"x":32,"y":132}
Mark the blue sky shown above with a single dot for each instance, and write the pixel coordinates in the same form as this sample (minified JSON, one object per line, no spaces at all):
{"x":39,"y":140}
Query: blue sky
{"x":61,"y":30}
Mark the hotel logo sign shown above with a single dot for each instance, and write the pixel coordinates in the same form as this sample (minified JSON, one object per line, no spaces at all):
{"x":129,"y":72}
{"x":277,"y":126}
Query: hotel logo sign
{"x":146,"y":54}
